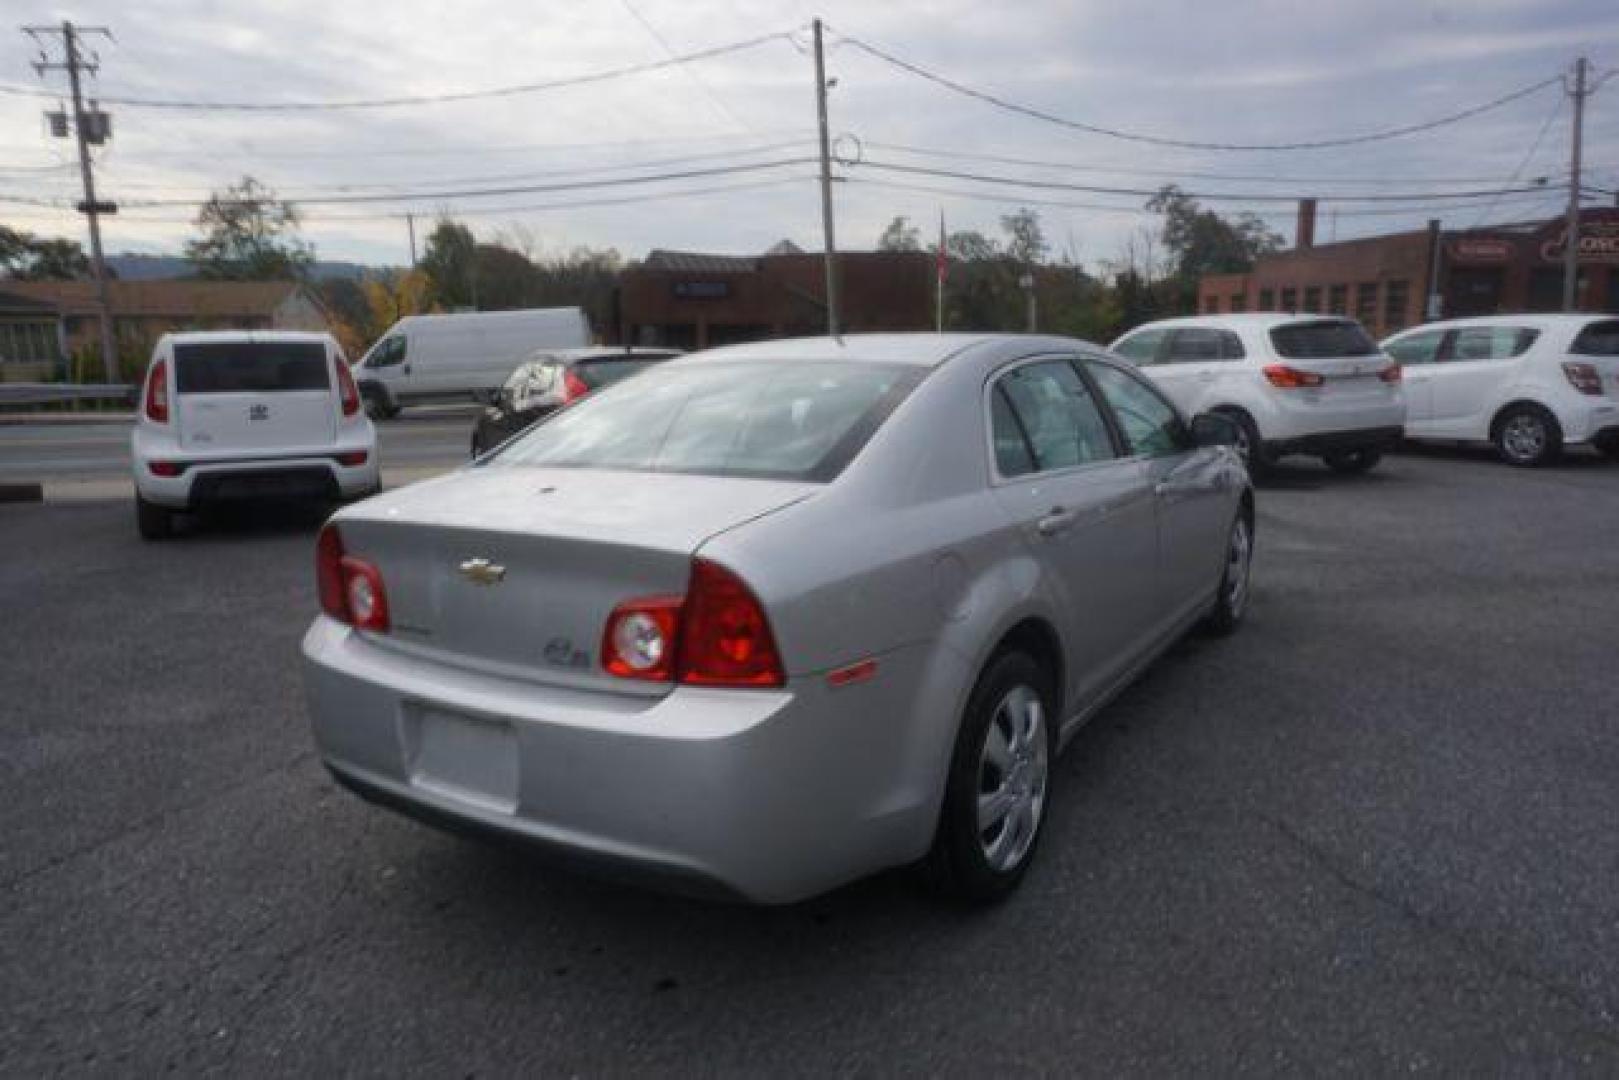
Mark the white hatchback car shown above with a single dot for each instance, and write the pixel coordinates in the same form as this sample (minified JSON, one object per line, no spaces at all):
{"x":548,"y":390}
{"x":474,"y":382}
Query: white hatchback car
{"x":1529,"y":384}
{"x":1294,"y":384}
{"x":230,"y":415}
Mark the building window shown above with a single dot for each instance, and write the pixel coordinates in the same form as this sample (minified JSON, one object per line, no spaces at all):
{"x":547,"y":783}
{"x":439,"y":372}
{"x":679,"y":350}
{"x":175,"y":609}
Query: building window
{"x":1239,"y":301}
{"x":1366,"y":302}
{"x":1211,"y":305}
{"x":1338,"y":300}
{"x":1312,"y":299}
{"x":1394,"y":303}
{"x":1267,"y":300}
{"x":1290,"y":300}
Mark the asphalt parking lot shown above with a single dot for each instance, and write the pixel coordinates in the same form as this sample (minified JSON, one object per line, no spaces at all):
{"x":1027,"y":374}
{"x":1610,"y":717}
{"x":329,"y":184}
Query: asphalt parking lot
{"x":1373,"y":832}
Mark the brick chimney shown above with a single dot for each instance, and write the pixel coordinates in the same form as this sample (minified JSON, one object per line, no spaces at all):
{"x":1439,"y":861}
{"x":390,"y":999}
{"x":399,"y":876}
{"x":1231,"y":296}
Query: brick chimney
{"x":1304,"y":235}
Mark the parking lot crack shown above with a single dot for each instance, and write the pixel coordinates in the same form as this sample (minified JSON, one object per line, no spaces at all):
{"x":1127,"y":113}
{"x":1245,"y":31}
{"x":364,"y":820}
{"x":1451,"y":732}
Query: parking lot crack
{"x":1600,"y":1017}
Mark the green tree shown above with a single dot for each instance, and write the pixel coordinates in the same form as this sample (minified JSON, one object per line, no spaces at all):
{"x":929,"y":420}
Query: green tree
{"x":900,"y":235}
{"x":27,"y":257}
{"x":1025,"y":239}
{"x":451,"y":264}
{"x":248,"y":234}
{"x":1202,"y":242}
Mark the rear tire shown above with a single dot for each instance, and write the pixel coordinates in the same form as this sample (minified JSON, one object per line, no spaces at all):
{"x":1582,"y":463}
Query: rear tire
{"x":998,"y":791}
{"x":154,"y":522}
{"x":1351,"y":462}
{"x":1249,"y":446}
{"x":1527,"y":436}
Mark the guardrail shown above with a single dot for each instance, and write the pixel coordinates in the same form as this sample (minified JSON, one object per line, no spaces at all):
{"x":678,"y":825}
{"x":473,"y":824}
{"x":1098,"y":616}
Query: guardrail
{"x":53,"y":393}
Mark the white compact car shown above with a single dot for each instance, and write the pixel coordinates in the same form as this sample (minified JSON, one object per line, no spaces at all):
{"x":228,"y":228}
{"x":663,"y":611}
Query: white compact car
{"x":1529,"y":384}
{"x":230,"y":415}
{"x":1294,"y":384}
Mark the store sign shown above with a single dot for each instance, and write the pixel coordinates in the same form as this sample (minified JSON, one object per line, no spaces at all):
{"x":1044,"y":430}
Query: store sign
{"x":1599,"y":243}
{"x":702,"y":290}
{"x":1492,"y":249}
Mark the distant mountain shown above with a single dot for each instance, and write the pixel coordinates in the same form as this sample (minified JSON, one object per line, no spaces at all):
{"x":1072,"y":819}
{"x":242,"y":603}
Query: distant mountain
{"x":133,"y":267}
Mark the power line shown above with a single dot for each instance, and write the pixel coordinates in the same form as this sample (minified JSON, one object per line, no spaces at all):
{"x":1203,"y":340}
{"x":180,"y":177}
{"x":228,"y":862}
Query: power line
{"x":1207,"y":196}
{"x":1534,"y":147}
{"x":663,"y":43}
{"x":423,"y":99}
{"x":1189,"y":144}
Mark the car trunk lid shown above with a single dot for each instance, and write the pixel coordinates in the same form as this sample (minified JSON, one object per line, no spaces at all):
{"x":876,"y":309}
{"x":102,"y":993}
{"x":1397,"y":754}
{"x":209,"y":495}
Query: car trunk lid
{"x":514,"y":570}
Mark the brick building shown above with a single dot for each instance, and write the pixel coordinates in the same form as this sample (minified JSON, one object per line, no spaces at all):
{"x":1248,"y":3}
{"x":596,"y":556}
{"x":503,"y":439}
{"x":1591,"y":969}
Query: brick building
{"x":1383,"y":280}
{"x":694,"y":301}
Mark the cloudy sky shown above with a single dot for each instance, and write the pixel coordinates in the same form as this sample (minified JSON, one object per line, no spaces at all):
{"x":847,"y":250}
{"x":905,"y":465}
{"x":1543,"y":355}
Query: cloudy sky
{"x":1245,"y":71}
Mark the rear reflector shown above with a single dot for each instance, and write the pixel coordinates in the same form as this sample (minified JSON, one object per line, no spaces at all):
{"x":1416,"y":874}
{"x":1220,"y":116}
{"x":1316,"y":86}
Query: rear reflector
{"x":157,"y":393}
{"x":854,"y":673}
{"x":166,"y":468}
{"x":1289,"y":378}
{"x":1583,"y":377}
{"x":353,"y":458}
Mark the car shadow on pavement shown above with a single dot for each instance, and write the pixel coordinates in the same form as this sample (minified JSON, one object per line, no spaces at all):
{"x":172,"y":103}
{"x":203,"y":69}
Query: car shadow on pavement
{"x":1580,"y":458}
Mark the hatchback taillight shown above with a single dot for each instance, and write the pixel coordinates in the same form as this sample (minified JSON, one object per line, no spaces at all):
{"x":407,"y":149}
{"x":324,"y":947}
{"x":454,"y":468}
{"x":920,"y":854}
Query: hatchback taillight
{"x":1289,"y":378}
{"x":716,"y":635}
{"x":347,"y":392}
{"x":1583,"y":377}
{"x":351,"y":589}
{"x":157,"y":393}
{"x":573,"y":387}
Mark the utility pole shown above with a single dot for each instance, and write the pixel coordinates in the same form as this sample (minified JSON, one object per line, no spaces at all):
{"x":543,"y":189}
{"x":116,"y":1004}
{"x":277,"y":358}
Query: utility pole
{"x":87,"y":127}
{"x":410,"y":223}
{"x":1571,"y":254}
{"x":826,"y":189}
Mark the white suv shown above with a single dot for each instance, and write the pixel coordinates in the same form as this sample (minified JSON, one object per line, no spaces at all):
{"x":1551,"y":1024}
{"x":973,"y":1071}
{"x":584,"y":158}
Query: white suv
{"x":1530,"y":384}
{"x":1294,"y":384}
{"x":231,"y":415}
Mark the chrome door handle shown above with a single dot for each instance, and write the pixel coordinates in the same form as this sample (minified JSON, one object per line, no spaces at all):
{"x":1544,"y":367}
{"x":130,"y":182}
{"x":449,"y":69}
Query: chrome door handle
{"x":1058,"y":520}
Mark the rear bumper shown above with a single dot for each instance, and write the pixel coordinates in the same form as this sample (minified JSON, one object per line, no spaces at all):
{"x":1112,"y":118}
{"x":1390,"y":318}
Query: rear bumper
{"x":1593,"y":420}
{"x":1327,"y":442}
{"x":208,"y":482}
{"x":765,"y":795}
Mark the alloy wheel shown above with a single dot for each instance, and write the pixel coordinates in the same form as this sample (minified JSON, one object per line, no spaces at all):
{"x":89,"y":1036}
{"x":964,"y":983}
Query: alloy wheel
{"x":1239,"y":559}
{"x":1013,"y":769}
{"x":1524,"y":437}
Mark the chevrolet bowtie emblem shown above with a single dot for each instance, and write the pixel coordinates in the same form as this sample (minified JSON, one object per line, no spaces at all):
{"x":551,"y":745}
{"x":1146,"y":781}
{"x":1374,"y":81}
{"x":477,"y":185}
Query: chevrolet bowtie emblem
{"x":482,"y":572}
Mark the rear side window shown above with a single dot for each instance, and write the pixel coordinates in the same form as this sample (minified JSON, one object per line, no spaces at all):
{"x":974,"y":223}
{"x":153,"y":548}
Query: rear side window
{"x":1200,"y":344}
{"x":599,"y":373}
{"x":1321,"y":340}
{"x":1142,"y":347}
{"x":1598,"y":339}
{"x":1490,"y":343}
{"x":764,"y":419}
{"x":251,"y":367}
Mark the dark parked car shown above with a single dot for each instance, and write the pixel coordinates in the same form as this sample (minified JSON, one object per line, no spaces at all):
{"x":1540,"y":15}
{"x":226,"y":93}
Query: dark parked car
{"x":550,"y":379}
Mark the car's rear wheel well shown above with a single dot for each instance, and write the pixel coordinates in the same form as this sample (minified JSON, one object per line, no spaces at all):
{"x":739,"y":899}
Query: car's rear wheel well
{"x":1036,"y":639}
{"x":1521,"y":403}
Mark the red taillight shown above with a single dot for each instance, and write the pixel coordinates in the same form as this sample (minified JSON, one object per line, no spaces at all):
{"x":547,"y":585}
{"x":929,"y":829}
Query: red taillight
{"x":725,"y":637}
{"x":641,"y":638}
{"x":166,"y":468}
{"x":353,"y":458}
{"x":1291,"y":378}
{"x":716,"y":635}
{"x":1583,"y":377}
{"x":157,"y":393}
{"x":351,"y":589}
{"x":573,"y":387}
{"x":1391,"y":374}
{"x":347,"y":392}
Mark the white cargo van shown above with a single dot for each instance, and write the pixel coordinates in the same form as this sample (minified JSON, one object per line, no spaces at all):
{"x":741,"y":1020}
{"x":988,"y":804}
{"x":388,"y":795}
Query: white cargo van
{"x":437,"y":358}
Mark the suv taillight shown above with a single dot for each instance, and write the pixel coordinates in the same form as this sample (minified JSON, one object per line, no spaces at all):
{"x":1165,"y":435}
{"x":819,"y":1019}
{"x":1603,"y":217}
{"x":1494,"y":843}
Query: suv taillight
{"x":1583,"y":377}
{"x":347,"y":392}
{"x":573,"y":387}
{"x":157,"y":393}
{"x":716,"y":635}
{"x":1289,"y":378}
{"x":1391,"y":374}
{"x":351,"y":589}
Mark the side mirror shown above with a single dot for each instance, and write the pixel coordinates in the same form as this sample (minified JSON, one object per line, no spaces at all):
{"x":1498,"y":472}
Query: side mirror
{"x":1214,"y":429}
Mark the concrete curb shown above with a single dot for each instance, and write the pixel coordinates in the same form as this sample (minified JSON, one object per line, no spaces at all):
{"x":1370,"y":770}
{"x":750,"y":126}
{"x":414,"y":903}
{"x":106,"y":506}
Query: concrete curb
{"x":13,"y":419}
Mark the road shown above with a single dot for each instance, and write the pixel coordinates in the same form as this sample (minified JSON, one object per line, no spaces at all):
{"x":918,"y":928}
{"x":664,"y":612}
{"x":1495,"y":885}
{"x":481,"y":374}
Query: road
{"x":99,"y":452}
{"x":1374,"y":832}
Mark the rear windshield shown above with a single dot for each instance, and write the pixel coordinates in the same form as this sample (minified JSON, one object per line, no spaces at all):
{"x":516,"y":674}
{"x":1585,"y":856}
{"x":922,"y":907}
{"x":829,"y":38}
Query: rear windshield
{"x":766,"y":419}
{"x":599,"y":373}
{"x":250,"y":367}
{"x":1598,"y":339}
{"x":1322,"y":340}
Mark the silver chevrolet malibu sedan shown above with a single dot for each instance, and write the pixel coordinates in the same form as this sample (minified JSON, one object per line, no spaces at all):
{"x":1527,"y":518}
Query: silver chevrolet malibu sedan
{"x":773,"y":617}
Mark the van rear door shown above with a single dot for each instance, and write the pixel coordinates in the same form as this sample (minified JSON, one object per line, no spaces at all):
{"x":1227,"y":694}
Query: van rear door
{"x":254,"y":395}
